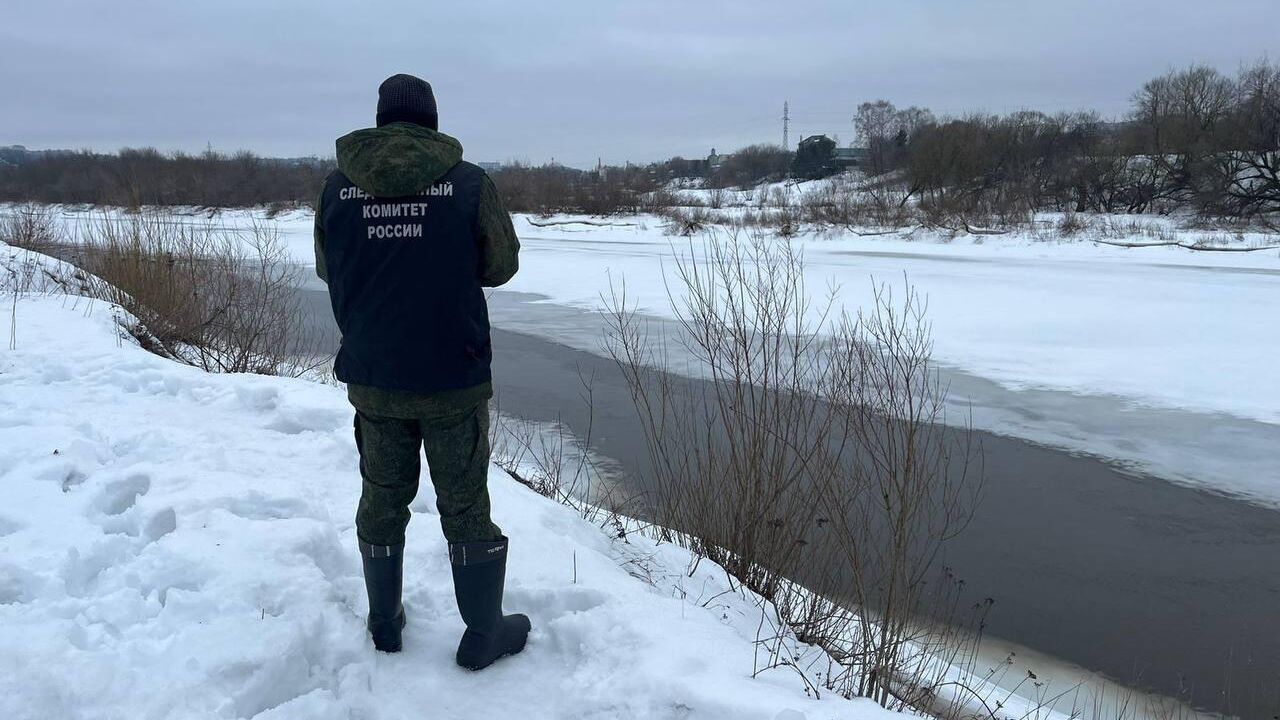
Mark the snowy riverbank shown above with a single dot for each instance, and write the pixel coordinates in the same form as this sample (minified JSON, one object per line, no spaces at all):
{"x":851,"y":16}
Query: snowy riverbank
{"x":178,"y":544}
{"x":200,"y":524}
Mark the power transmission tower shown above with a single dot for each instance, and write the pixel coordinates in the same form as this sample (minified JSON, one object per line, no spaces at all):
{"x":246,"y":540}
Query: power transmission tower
{"x":786,"y":125}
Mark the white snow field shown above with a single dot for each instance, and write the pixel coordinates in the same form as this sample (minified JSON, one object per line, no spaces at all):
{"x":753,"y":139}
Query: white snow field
{"x":175,"y":544}
{"x":1163,"y":326}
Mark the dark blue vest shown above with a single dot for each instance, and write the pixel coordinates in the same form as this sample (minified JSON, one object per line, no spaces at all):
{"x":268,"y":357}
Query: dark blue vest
{"x":403,"y":284}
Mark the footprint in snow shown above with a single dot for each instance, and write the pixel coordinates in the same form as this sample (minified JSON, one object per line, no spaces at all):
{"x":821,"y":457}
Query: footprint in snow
{"x":18,"y":585}
{"x":298,"y":420}
{"x":327,"y":553}
{"x":256,"y":506}
{"x":73,"y":478}
{"x":259,"y":398}
{"x":115,"y":509}
{"x":555,"y":603}
{"x":160,"y":524}
{"x":121,"y":495}
{"x":9,"y":526}
{"x":80,"y":572}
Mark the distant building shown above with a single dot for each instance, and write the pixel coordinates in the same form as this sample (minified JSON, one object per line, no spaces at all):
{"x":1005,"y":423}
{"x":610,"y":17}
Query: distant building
{"x":678,"y":167}
{"x":490,"y":166}
{"x":715,"y":160}
{"x":849,"y":157}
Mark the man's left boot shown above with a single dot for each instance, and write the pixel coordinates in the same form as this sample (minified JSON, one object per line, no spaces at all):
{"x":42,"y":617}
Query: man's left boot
{"x":479,"y":573}
{"x":383,"y":578}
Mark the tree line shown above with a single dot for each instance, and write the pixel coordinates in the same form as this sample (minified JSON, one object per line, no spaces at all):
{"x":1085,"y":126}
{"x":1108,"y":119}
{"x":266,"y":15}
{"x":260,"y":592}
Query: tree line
{"x":632,"y":188}
{"x":1194,"y":138}
{"x":134,"y":177}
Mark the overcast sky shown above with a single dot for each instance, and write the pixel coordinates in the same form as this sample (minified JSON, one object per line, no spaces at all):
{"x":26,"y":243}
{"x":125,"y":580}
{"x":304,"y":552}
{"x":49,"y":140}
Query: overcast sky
{"x":580,"y":79}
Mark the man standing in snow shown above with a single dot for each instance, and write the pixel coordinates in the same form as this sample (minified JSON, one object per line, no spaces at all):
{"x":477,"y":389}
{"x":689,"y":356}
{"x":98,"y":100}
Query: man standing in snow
{"x":407,"y":233}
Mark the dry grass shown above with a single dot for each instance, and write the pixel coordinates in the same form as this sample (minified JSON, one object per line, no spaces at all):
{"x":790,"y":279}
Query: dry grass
{"x":220,"y":299}
{"x":29,"y":227}
{"x":559,"y":465}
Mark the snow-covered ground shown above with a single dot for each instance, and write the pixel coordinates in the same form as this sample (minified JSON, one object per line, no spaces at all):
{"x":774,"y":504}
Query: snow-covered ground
{"x":178,"y":544}
{"x":1159,"y":357}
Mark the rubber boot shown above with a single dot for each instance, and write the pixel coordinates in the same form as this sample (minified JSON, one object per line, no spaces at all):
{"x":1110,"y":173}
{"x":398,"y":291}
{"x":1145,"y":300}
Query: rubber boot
{"x":479,"y":572}
{"x":383,"y":578}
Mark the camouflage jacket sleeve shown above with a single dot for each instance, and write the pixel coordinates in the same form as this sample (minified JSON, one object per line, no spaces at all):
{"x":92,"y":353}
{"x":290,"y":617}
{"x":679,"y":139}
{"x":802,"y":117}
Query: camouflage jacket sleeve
{"x":318,"y":233}
{"x":499,"y":246}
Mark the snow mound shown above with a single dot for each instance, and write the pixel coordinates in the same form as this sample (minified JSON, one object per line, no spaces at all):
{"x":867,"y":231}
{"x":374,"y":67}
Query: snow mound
{"x":178,"y":544}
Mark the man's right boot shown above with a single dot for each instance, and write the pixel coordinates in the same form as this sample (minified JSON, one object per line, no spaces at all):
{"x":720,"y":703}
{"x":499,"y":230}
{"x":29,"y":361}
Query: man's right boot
{"x":479,"y":573}
{"x":383,"y":578}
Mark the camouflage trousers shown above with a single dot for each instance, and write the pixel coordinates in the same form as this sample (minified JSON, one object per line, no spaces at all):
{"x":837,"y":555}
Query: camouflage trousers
{"x":457,"y":449}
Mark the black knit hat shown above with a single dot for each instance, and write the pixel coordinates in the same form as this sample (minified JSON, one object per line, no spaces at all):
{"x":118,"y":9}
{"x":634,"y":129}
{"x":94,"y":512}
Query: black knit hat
{"x":405,"y":98}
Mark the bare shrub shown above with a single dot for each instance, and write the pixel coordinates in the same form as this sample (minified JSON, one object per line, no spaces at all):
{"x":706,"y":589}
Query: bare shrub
{"x":762,"y":196}
{"x":686,"y":221}
{"x":659,"y":200}
{"x":848,"y":206}
{"x":1071,"y":224}
{"x":277,"y":208}
{"x":813,"y":465}
{"x":780,"y":197}
{"x":559,"y":465}
{"x":220,"y":299}
{"x":888,"y":205}
{"x":912,"y":490}
{"x":715,"y":199}
{"x":29,"y":226}
{"x":691,"y":201}
{"x":24,"y":273}
{"x":830,"y":206}
{"x":548,"y":459}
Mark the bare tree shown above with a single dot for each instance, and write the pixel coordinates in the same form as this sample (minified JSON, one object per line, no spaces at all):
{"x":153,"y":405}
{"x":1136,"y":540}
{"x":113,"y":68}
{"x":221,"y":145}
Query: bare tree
{"x":876,"y":123}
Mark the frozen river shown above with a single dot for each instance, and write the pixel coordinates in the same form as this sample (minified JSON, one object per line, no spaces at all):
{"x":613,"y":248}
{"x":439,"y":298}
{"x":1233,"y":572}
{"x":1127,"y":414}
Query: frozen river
{"x":1123,"y":573}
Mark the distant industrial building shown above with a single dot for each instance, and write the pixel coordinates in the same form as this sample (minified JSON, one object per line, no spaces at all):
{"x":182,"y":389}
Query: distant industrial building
{"x":849,"y":157}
